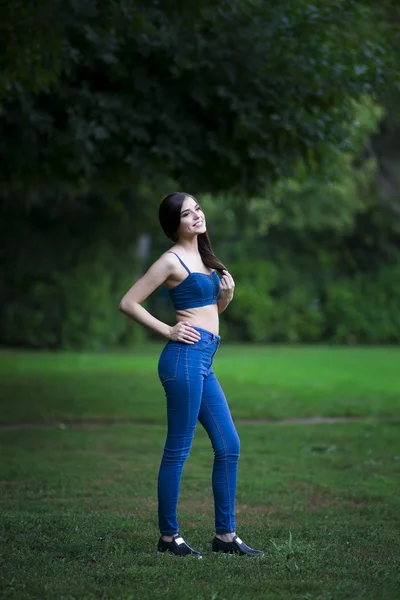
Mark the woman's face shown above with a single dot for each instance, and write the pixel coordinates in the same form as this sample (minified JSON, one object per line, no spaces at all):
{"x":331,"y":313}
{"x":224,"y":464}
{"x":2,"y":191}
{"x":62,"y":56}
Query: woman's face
{"x":192,"y":219}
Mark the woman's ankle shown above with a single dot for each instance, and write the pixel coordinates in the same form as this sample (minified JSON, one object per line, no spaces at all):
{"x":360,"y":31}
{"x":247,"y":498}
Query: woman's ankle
{"x":226,"y":537}
{"x":169,"y":538}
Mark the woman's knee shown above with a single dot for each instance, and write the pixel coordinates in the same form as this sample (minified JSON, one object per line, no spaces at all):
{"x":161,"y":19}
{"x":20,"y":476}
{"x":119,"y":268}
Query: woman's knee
{"x":234,"y":445}
{"x":228,"y":446}
{"x":177,"y":452}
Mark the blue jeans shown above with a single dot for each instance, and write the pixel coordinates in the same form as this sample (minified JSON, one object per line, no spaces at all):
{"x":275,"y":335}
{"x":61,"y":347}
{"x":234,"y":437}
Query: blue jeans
{"x":193,"y":392}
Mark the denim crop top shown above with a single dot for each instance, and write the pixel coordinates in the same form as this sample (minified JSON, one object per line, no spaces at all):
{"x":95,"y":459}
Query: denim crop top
{"x":198,"y":289}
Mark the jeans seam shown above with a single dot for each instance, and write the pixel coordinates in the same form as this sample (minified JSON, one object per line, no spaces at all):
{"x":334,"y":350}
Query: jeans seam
{"x":188,"y":407}
{"x":177,"y":362}
{"x":186,"y":365}
{"x":187,"y":421}
{"x":226,"y":462}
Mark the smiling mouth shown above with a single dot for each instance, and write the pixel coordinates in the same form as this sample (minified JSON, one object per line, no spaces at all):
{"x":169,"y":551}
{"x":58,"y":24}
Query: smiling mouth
{"x":199,"y":223}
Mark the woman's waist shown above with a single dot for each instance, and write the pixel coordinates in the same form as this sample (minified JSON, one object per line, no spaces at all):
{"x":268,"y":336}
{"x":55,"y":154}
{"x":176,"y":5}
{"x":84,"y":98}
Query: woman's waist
{"x":202,"y":318}
{"x":208,"y":344}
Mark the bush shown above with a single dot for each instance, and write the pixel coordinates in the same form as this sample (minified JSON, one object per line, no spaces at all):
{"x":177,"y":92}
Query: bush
{"x":261,"y":312}
{"x":71,"y":305}
{"x":365,"y":309}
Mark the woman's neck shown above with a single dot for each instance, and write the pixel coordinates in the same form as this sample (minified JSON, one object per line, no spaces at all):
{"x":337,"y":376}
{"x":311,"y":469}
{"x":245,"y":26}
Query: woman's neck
{"x":190,"y":246}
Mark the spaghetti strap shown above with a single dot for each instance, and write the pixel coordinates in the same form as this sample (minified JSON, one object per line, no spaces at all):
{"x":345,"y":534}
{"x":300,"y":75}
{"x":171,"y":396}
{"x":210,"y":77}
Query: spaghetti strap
{"x":180,"y":260}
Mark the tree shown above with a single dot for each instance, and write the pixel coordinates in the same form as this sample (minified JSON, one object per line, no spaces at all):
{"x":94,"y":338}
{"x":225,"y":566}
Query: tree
{"x":223,"y":95}
{"x":107,"y":105}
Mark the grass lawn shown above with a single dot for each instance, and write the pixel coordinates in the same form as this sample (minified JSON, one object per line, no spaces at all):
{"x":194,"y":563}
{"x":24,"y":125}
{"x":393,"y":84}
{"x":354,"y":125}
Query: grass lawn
{"x":78,"y":504}
{"x":259,"y":382}
{"x":79,"y":515}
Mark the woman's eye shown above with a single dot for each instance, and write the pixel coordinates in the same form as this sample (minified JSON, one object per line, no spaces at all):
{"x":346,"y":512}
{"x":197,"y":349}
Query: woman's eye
{"x":198,"y":208}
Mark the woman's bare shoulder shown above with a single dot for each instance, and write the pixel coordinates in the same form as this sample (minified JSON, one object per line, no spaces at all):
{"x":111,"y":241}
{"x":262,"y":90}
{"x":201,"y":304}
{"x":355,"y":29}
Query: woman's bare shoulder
{"x":169,"y":259}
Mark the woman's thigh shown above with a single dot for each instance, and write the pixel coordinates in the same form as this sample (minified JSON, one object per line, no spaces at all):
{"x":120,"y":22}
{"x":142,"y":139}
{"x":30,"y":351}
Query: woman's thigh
{"x":181,"y":378}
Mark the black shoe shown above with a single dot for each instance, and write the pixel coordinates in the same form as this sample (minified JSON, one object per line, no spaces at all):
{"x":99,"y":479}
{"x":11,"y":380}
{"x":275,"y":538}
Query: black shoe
{"x":236,"y":546}
{"x":178,"y":546}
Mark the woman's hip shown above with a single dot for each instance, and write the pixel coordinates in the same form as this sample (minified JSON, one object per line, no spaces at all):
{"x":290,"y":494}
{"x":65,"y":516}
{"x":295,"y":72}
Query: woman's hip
{"x":179,"y":360}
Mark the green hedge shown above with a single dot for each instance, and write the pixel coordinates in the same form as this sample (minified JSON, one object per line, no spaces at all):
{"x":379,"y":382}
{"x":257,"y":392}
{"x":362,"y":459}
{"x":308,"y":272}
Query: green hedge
{"x":53,"y":298}
{"x":365,"y":309}
{"x":78,"y":308}
{"x":70,"y":306}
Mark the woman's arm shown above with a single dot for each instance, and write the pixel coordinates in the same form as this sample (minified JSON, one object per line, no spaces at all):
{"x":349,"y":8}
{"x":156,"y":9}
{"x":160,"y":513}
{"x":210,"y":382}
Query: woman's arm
{"x":151,"y":280}
{"x":130,"y":304}
{"x":227,"y":290}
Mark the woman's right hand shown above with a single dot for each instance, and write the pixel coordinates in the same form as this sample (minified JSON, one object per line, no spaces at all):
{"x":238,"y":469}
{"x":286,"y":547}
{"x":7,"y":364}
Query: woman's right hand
{"x":184,"y":332}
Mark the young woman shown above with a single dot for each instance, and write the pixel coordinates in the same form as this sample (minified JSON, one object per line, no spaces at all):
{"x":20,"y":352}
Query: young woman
{"x":189,"y":271}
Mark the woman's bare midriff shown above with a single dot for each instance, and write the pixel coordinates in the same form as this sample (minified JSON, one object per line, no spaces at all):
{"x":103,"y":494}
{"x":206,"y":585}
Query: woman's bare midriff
{"x":205,"y":317}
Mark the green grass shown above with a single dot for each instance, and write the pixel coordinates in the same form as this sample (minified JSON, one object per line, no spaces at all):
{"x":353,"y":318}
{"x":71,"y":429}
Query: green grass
{"x":79,"y":515}
{"x":78,"y":504}
{"x":259,"y":382}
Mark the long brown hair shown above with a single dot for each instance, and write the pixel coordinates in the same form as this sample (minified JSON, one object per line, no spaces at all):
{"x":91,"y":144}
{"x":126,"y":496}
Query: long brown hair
{"x":170,"y":217}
